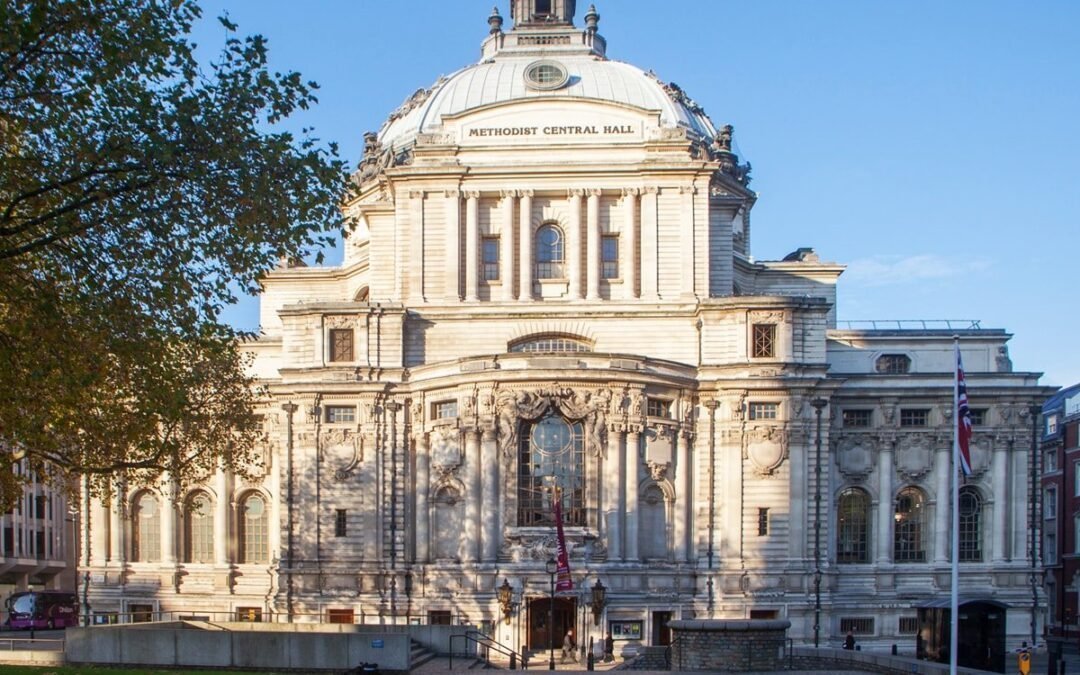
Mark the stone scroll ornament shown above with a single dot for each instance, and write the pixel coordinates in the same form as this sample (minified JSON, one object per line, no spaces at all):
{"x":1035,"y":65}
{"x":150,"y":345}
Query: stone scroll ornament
{"x":590,"y":408}
{"x":343,"y":450}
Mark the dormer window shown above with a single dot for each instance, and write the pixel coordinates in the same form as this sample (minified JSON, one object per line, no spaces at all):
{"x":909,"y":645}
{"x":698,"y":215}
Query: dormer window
{"x":893,"y":364}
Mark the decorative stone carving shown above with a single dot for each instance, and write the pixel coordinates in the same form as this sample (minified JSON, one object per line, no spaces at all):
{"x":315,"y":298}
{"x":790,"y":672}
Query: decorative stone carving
{"x":914,"y":457}
{"x":767,"y":316}
{"x":590,"y":408}
{"x":658,"y":470}
{"x":854,"y":457}
{"x":766,"y":448}
{"x":343,"y":450}
{"x":445,"y":449}
{"x":340,"y":321}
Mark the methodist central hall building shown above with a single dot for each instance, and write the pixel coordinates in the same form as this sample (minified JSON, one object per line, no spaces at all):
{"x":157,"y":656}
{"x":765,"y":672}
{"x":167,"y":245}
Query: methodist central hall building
{"x":551,"y":291}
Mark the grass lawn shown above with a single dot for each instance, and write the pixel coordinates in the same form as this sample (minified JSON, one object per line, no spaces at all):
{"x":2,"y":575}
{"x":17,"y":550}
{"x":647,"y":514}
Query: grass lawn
{"x":95,"y":670}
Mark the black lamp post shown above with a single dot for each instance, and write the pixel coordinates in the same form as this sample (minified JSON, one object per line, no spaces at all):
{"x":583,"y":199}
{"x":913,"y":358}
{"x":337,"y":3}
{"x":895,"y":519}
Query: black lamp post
{"x":290,"y":408}
{"x":819,"y":404}
{"x":599,"y":599}
{"x":552,"y":567}
{"x":506,"y":596}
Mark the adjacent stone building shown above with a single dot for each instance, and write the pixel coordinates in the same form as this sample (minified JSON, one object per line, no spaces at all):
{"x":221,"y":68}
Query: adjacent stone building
{"x":551,"y":286}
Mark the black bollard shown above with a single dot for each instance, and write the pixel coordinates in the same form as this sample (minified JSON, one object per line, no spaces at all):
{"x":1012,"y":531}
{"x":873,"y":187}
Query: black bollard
{"x":590,"y":660}
{"x":513,"y":661}
{"x":894,"y":652}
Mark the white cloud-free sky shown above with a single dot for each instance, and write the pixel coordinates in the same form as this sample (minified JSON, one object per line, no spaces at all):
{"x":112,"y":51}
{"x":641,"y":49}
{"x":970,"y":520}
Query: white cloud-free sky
{"x":933,"y":147}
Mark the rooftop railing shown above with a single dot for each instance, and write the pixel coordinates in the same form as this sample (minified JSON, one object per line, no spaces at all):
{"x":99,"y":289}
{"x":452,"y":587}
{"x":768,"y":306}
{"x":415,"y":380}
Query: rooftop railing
{"x":910,"y":324}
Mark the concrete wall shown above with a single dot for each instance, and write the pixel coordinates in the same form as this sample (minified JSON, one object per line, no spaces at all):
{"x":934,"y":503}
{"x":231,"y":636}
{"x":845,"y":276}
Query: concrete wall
{"x":273,"y":646}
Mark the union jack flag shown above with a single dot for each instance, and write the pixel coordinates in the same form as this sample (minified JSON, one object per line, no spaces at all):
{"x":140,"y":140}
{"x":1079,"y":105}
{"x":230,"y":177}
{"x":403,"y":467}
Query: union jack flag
{"x":963,"y":418}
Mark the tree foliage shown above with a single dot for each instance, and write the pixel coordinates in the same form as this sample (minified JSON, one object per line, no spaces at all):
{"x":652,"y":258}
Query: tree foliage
{"x":138,"y":188}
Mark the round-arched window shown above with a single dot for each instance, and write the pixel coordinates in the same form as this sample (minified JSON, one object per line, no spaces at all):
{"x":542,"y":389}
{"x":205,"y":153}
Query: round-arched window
{"x":549,"y":252}
{"x":551,"y":465}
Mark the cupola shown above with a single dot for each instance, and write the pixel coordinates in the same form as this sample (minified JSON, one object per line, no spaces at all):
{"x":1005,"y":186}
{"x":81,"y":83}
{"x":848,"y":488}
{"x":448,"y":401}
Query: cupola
{"x":542,"y":12}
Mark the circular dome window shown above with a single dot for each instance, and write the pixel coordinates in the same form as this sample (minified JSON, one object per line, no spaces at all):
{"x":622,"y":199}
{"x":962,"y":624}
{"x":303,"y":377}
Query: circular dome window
{"x":546,"y":75}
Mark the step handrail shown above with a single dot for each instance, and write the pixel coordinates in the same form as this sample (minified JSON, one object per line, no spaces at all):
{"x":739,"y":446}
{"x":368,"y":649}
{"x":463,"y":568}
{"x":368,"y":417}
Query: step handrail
{"x":481,"y":639}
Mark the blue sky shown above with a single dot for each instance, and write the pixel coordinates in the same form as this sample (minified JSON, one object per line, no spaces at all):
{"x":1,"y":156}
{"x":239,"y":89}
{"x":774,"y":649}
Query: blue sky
{"x":931,"y":146}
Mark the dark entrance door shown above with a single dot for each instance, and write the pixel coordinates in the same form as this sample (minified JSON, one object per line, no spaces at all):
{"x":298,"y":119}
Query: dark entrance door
{"x":539,"y":611}
{"x":661,"y":634}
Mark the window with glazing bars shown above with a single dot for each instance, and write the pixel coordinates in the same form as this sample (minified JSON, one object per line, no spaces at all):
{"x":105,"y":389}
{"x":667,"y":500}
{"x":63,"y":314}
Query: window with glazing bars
{"x":609,"y":257}
{"x":853,"y":531}
{"x":857,"y":418}
{"x":341,"y":344}
{"x":764,"y":340}
{"x":341,"y":523}
{"x":760,"y":410}
{"x":970,"y":526}
{"x":762,"y":522}
{"x":200,"y":530}
{"x":255,"y":531}
{"x":914,"y":417}
{"x":893,"y":364}
{"x":658,"y":407}
{"x":908,"y":625}
{"x":445,"y":410}
{"x":490,"y":263}
{"x":340,"y":414}
{"x":859,"y":625}
{"x":549,"y":252}
{"x":551,"y":454}
{"x":909,"y":528}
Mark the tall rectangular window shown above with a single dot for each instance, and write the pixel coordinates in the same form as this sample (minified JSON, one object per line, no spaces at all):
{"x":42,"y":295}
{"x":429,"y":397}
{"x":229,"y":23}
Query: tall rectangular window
{"x":609,"y":257}
{"x":764,"y":341}
{"x":1050,"y":504}
{"x":341,"y":344}
{"x":341,"y":526}
{"x":490,"y":259}
{"x":762,"y":522}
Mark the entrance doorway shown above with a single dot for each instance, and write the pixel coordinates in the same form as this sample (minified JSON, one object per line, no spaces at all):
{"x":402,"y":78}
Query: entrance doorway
{"x":539,"y":612}
{"x":661,"y":633}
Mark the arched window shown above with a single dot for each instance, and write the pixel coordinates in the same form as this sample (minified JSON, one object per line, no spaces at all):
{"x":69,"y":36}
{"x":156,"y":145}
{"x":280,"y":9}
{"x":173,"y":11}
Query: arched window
{"x":253,"y":536}
{"x":910,"y":516}
{"x":970,"y":525}
{"x":550,"y":343}
{"x":853,"y":527}
{"x":145,"y":529}
{"x":551,"y":456}
{"x":199,"y":529}
{"x":549,"y":252}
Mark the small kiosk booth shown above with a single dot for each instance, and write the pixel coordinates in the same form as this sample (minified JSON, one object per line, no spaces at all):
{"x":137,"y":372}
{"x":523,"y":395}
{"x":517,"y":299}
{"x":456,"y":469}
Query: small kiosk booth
{"x":981,"y":640}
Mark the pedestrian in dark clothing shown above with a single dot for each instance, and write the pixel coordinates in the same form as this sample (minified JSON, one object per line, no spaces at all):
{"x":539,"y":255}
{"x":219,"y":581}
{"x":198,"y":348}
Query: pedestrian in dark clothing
{"x":609,"y":649}
{"x":849,"y":641}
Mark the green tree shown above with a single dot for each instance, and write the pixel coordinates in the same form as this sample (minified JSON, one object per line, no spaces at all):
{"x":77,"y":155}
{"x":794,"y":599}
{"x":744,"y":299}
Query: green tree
{"x":138,"y":188}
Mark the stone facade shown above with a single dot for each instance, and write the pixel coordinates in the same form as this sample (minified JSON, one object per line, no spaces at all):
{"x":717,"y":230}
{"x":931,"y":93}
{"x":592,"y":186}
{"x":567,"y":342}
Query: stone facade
{"x":550,"y":286}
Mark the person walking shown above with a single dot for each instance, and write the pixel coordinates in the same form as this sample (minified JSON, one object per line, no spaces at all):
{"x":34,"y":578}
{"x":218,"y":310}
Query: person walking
{"x":609,"y":648}
{"x":849,"y":641}
{"x":569,"y":646}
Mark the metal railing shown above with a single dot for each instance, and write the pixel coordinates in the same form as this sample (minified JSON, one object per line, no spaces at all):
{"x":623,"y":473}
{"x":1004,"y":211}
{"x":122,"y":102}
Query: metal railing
{"x":110,"y":618}
{"x":910,"y":324}
{"x":40,"y":644}
{"x":485,"y":644}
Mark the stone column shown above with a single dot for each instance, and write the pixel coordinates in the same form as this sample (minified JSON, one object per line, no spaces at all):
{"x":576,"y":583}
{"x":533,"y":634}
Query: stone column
{"x":168,"y":523}
{"x":885,"y":510}
{"x":943,"y":512}
{"x":99,"y":533}
{"x":633,"y":463}
{"x":612,"y":477}
{"x":629,"y":252}
{"x":686,"y":240}
{"x":683,"y":498}
{"x":649,"y":286}
{"x":592,"y":245}
{"x":453,"y":245}
{"x":999,"y":469}
{"x":506,"y":244}
{"x":423,"y":511}
{"x":489,"y":513}
{"x":472,"y":499}
{"x":525,"y":245}
{"x":221,"y":519}
{"x":573,"y":244}
{"x":417,"y":265}
{"x":472,"y":245}
{"x":116,"y":527}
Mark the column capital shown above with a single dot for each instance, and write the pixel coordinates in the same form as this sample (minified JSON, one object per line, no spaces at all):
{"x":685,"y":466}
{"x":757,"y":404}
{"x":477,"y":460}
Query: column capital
{"x":593,"y":192}
{"x":687,"y":189}
{"x":525,"y":193}
{"x":631,"y":192}
{"x":416,"y":194}
{"x":575,"y":192}
{"x":451,"y":193}
{"x":471,"y":194}
{"x":650,"y":190}
{"x":508,"y":194}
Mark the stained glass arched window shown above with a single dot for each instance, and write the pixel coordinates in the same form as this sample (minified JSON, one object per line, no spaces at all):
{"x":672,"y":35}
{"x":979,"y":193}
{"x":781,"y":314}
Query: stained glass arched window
{"x":551,"y":454}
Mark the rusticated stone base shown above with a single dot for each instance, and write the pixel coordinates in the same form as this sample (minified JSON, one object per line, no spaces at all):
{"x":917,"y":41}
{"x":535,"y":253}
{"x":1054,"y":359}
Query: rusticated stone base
{"x":732,"y":645}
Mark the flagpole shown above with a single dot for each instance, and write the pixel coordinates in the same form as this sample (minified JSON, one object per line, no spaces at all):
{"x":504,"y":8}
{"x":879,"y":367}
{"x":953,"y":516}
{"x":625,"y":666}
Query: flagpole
{"x":954,"y":595}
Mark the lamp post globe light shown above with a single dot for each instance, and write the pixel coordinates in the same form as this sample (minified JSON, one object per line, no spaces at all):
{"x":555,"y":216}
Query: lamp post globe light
{"x":552,"y":567}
